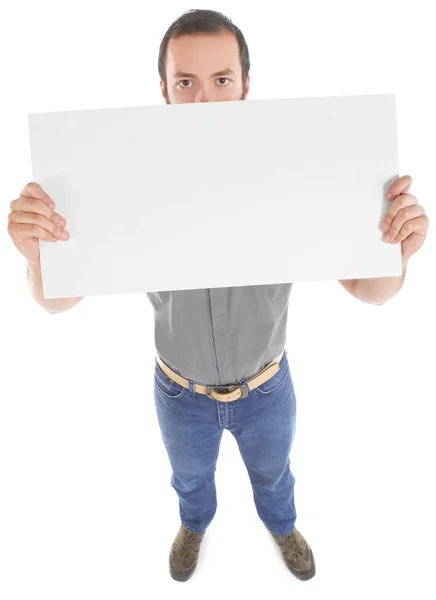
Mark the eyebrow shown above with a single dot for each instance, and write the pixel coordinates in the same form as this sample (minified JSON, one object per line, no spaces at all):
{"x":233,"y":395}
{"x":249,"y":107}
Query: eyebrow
{"x":193,"y":76}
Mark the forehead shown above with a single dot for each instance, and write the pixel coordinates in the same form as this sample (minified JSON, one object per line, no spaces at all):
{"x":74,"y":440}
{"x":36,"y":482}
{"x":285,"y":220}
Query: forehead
{"x":203,"y":54}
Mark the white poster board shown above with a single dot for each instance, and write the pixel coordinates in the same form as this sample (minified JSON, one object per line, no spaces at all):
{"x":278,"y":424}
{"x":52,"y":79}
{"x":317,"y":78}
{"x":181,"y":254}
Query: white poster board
{"x":217,"y":194}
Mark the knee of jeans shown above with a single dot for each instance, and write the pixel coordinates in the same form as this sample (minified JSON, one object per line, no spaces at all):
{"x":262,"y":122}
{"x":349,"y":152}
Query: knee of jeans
{"x":190,"y":484}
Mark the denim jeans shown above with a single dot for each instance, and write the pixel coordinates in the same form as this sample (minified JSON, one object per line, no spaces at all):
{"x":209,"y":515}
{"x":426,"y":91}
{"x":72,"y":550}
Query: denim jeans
{"x":263,"y":424}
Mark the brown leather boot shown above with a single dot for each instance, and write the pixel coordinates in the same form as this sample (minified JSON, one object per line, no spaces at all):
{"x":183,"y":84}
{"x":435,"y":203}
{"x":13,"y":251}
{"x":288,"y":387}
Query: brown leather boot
{"x":184,"y":553}
{"x":297,"y":554}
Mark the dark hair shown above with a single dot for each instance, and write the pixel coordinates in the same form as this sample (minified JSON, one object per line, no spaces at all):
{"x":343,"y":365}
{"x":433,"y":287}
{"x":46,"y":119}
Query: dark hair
{"x":202,"y":21}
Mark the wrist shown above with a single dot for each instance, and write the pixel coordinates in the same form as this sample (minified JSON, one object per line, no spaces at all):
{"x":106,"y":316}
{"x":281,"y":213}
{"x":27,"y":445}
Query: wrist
{"x":34,"y":266}
{"x":404,"y":262}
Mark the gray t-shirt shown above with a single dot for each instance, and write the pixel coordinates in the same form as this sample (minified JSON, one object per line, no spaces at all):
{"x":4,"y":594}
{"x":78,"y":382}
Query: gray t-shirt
{"x":218,"y":336}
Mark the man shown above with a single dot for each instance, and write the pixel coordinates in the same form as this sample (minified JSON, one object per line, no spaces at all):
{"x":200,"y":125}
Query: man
{"x":221,"y":361}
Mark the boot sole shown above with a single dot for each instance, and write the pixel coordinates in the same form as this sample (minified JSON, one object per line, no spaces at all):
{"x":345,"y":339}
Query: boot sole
{"x":185,"y":575}
{"x":181,"y":575}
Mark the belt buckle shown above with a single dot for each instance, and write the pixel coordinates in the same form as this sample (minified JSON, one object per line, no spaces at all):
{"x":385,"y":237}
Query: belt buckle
{"x":226,"y":389}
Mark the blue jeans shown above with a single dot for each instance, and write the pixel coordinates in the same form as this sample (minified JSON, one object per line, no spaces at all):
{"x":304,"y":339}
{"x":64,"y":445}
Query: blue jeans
{"x":263,"y":424}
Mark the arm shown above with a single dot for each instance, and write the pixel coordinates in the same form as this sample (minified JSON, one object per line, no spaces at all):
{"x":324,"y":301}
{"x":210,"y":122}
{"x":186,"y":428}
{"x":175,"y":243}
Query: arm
{"x":375,"y":290}
{"x":406,"y":223}
{"x":52,"y":305}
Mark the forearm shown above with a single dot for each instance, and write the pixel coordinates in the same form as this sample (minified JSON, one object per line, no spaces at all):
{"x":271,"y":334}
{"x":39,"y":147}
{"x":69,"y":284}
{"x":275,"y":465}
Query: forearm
{"x":51,"y":305}
{"x":380,"y":289}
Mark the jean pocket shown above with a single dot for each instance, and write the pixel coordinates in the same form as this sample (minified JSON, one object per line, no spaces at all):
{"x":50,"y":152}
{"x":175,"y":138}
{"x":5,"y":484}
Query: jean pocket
{"x":276,"y":381}
{"x":167,"y":386}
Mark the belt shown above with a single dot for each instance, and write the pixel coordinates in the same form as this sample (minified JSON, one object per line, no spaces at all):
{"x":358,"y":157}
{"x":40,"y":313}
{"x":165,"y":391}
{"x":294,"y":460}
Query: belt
{"x":227,"y":393}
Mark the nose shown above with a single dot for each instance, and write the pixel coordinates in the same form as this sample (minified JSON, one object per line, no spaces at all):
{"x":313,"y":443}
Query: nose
{"x":202,"y":96}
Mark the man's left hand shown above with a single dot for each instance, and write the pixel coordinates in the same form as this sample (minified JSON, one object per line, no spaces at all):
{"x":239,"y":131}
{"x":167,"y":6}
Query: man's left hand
{"x":406,"y":221}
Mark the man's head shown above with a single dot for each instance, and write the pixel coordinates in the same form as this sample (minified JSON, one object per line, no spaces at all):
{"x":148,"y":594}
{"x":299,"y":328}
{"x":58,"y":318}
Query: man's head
{"x":203,"y":57}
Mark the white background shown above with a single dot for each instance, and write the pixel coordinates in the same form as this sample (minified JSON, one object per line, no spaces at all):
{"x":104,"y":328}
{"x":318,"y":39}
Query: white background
{"x":86,"y":506}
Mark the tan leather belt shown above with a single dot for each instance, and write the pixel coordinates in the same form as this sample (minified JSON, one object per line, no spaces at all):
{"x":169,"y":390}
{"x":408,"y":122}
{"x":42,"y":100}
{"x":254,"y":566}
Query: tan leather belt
{"x":232,"y":392}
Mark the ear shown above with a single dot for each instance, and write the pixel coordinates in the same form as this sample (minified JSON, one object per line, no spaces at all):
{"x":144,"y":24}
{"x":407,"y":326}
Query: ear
{"x":162,"y":88}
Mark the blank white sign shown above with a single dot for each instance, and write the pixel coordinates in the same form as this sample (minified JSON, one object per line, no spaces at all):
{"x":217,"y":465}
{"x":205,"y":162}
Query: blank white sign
{"x":217,"y":194}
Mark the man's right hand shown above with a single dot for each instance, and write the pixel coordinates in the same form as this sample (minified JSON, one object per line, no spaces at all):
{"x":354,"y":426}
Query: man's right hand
{"x":32,"y":218}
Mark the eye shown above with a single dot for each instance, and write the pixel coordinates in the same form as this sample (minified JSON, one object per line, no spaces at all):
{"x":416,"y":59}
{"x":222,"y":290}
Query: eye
{"x":182,"y":81}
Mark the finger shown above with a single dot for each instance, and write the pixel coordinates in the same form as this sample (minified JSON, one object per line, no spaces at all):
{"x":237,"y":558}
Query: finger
{"x":405,"y":214}
{"x":20,"y":232}
{"x":418,"y":225}
{"x":36,"y":205}
{"x":399,"y":186}
{"x":20,"y":217}
{"x":34,"y":190}
{"x":400,"y":202}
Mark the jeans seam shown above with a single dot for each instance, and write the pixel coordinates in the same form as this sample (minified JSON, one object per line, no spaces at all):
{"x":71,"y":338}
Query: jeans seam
{"x":165,"y":392}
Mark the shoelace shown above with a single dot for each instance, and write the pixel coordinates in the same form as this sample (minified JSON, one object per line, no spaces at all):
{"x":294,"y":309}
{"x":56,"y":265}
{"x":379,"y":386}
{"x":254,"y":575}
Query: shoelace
{"x":290,"y":543}
{"x":188,"y":543}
